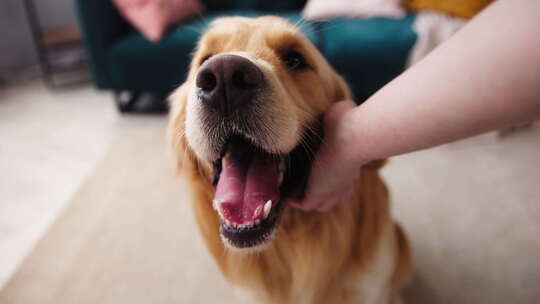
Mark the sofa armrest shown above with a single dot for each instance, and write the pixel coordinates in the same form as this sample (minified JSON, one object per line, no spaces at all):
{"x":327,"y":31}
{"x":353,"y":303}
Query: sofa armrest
{"x":101,"y":26}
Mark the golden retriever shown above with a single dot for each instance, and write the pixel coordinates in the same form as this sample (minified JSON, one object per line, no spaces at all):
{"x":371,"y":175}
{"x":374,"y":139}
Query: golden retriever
{"x":244,"y":128}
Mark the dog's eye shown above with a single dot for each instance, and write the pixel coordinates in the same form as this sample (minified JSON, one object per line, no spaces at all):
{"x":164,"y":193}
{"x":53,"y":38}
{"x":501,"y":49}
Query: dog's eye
{"x":294,"y":60}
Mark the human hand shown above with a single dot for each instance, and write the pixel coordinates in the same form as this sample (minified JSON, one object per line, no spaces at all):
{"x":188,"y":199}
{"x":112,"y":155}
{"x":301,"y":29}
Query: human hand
{"x":336,"y":168}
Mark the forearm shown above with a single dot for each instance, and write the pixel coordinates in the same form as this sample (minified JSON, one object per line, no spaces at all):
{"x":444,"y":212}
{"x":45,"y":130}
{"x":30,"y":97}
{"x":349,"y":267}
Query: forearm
{"x":486,"y":77}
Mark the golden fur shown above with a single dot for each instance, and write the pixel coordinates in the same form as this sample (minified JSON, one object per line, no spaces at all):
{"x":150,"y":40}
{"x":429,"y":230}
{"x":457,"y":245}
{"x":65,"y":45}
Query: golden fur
{"x":315,"y":257}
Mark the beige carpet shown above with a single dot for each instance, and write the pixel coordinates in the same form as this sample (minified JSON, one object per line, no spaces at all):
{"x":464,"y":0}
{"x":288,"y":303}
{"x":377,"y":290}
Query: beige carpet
{"x":472,"y":211}
{"x":127,"y":237}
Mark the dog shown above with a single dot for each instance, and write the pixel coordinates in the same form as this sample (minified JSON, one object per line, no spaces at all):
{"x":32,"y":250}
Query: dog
{"x":244,"y":128}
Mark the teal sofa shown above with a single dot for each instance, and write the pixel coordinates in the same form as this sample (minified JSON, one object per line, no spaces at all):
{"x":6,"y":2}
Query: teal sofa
{"x":367,"y":52}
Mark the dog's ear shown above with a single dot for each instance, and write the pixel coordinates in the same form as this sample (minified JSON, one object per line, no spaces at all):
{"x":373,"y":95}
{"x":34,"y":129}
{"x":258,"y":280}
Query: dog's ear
{"x":176,"y":131}
{"x":341,"y":89}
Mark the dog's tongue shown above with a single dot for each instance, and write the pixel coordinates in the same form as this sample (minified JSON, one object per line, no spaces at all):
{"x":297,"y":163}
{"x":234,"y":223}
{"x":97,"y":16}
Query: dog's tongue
{"x":248,"y":180}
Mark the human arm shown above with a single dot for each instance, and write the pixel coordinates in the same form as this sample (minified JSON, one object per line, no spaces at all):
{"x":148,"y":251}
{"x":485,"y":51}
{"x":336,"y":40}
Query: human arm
{"x":486,"y":77}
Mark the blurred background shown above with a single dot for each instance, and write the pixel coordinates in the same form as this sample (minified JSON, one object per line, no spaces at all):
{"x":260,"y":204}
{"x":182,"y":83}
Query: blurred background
{"x":91,"y":209}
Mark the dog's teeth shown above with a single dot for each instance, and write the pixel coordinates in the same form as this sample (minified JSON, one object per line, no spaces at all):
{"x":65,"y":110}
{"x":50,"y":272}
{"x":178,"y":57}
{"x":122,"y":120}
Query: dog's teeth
{"x":267,"y":208}
{"x":257,"y":222}
{"x":281,"y":171}
{"x":219,"y":208}
{"x":225,"y":159}
{"x":280,"y":178}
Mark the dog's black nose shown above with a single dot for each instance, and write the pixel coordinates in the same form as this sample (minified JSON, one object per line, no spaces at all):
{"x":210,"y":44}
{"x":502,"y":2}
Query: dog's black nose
{"x":227,"y":82}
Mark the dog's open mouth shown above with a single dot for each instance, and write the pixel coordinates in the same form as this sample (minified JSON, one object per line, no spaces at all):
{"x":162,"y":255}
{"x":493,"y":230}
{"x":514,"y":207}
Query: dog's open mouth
{"x":247,"y":193}
{"x":252,"y":187}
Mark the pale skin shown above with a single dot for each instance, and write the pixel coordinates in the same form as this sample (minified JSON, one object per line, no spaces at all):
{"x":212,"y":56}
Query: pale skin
{"x":486,"y":77}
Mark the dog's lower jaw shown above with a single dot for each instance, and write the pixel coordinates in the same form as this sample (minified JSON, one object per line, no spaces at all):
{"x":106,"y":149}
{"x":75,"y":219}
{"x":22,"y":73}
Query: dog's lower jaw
{"x":259,"y":248}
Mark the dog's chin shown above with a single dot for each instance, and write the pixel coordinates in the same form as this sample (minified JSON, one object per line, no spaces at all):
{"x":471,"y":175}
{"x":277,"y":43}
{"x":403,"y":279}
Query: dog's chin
{"x":253,"y":187}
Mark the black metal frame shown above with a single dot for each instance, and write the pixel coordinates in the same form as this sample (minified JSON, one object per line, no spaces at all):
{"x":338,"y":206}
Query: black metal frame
{"x":140,"y":102}
{"x":47,"y":68}
{"x":125,"y":101}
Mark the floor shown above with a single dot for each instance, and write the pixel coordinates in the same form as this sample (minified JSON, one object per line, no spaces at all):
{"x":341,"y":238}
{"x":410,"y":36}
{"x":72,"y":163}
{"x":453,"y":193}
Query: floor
{"x":472,"y":213}
{"x":471,"y":208}
{"x":51,"y":140}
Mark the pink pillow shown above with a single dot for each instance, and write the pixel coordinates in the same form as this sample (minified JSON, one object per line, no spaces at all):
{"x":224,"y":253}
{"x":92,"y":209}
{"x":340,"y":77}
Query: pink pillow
{"x":153,"y":17}
{"x":325,"y":9}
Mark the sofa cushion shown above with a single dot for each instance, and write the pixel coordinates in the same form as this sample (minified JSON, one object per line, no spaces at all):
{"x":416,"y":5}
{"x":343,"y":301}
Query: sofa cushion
{"x":324,"y":9}
{"x":152,"y":18}
{"x":457,"y":8}
{"x":137,"y":63}
{"x":368,"y":52}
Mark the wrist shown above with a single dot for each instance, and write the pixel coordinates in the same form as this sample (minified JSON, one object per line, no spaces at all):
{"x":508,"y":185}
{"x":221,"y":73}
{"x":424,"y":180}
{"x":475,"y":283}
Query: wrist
{"x":351,"y":140}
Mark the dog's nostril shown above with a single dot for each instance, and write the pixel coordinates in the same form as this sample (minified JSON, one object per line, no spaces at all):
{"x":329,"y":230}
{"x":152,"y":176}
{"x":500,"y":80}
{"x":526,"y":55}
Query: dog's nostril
{"x":206,"y":81}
